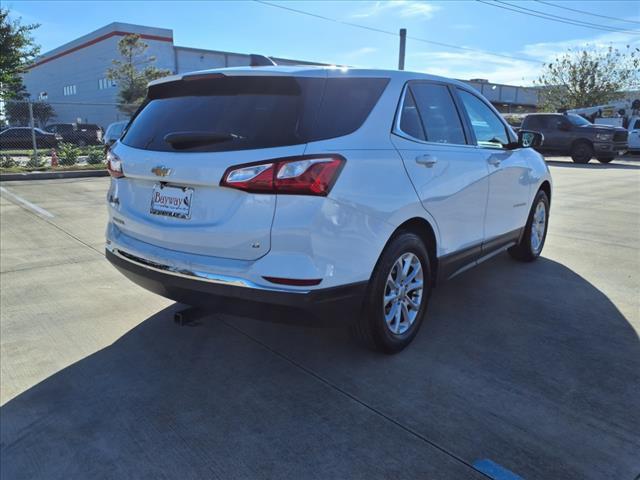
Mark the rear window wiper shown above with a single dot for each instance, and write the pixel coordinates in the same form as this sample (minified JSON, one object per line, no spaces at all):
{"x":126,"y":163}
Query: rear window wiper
{"x":180,"y":140}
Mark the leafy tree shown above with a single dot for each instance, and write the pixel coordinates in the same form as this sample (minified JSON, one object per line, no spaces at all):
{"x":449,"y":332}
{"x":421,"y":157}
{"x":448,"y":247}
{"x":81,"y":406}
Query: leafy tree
{"x":17,"y":51}
{"x":583,"y":78}
{"x":42,"y":113}
{"x":133,"y":72}
{"x":17,"y":112}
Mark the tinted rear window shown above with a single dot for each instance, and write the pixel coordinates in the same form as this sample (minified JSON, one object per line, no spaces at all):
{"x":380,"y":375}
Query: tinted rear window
{"x":259,"y":111}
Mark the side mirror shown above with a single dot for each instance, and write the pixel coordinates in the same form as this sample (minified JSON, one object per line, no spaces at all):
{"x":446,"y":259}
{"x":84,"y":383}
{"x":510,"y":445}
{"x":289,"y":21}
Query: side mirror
{"x":527,"y":138}
{"x":565,"y":127}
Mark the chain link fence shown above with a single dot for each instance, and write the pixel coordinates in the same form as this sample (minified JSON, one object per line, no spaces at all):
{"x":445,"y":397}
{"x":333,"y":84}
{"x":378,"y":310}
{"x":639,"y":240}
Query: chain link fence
{"x":41,"y":135}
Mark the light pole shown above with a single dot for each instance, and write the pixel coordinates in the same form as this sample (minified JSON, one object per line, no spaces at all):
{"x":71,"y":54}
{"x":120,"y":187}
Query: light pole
{"x":403,"y":42}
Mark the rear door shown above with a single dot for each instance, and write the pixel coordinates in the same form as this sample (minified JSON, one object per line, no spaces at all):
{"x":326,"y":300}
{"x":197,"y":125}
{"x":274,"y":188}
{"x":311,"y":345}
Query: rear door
{"x":262,"y":118}
{"x":447,"y":172}
{"x":557,"y":133}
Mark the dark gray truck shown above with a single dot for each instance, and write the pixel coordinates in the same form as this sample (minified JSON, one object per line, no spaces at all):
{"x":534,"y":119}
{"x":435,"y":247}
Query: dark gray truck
{"x":572,"y":135}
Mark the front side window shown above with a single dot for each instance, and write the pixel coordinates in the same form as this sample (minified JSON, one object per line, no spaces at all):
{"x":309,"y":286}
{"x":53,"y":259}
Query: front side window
{"x":577,"y":120}
{"x":489,"y":130}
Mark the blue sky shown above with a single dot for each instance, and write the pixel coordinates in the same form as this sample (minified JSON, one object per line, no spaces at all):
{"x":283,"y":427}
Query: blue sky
{"x":251,"y":27}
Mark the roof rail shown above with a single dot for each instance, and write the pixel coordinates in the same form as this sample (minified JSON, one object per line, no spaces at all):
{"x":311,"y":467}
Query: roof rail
{"x":261,"y":61}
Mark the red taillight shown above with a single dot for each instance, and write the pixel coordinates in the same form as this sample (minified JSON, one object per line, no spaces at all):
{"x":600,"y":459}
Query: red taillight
{"x":306,"y":175}
{"x":114,"y":165}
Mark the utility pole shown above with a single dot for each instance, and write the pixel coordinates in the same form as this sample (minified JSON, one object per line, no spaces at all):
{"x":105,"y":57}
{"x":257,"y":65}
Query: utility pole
{"x":403,"y":42}
{"x":33,"y":132}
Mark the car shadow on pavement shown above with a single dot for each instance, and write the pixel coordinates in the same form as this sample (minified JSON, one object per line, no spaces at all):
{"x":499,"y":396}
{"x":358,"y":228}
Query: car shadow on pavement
{"x":594,"y":164}
{"x":529,"y":365}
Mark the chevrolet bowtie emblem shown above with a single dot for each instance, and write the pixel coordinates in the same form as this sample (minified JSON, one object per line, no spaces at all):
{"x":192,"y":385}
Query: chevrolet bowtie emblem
{"x":161,"y":171}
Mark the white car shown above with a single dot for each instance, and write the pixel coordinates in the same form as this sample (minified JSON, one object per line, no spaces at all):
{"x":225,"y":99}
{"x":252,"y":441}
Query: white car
{"x":634,"y":134}
{"x":322,"y":189}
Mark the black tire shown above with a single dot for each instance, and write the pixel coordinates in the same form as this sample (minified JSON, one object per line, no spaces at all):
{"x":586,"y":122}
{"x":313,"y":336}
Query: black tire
{"x":371,"y":329}
{"x":581,"y":152}
{"x":525,"y":251}
{"x":605,"y":159}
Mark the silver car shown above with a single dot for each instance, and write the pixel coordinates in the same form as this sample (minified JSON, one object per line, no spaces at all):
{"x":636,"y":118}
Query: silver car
{"x":348,"y":194}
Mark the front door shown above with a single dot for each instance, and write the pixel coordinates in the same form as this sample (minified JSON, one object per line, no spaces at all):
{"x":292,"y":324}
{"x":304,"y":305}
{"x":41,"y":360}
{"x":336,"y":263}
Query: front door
{"x":509,"y":173}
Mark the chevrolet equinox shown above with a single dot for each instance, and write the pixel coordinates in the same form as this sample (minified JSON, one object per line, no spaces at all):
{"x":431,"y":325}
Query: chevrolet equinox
{"x":323,"y":190}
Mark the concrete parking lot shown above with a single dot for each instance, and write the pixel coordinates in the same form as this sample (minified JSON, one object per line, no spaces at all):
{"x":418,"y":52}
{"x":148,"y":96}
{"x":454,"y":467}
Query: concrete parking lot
{"x":532,"y":368}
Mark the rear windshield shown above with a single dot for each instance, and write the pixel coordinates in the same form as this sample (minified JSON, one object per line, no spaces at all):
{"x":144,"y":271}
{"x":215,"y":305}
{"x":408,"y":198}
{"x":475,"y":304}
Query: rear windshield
{"x":243,"y":113}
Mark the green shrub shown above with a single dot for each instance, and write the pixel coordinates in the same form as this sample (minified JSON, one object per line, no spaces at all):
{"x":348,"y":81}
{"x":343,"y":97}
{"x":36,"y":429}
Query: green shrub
{"x":7,"y":161}
{"x":68,"y":154}
{"x":35,"y":161}
{"x":95,"y":155}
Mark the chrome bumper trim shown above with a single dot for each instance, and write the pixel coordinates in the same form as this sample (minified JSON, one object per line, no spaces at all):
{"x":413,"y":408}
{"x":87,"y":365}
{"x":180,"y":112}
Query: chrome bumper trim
{"x":194,"y":275}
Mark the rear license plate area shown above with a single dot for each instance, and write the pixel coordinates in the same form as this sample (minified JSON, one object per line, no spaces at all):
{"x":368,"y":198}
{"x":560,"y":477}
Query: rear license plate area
{"x":171,"y":201}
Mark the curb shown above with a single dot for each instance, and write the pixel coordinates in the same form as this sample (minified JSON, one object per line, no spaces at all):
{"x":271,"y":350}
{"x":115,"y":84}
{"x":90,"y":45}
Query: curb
{"x":9,"y":177}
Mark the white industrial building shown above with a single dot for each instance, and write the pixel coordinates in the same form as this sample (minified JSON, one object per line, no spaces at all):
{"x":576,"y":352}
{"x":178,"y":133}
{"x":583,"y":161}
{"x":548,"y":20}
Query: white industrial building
{"x":72,"y":77}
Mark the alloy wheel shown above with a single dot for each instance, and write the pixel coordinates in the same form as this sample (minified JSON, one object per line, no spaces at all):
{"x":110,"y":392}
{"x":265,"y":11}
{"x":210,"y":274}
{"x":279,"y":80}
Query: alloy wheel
{"x":403,"y":293}
{"x":538,"y":227}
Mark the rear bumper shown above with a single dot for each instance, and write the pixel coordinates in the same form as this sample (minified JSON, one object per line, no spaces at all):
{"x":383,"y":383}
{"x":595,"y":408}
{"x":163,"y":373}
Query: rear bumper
{"x":237,"y":296}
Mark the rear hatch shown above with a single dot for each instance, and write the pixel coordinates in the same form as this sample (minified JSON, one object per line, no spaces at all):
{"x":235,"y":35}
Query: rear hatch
{"x":170,"y":195}
{"x":191,"y":130}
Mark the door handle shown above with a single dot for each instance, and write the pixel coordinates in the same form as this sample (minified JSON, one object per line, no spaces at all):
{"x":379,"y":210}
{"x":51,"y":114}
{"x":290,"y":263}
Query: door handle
{"x":494,"y":161}
{"x":426,"y":160}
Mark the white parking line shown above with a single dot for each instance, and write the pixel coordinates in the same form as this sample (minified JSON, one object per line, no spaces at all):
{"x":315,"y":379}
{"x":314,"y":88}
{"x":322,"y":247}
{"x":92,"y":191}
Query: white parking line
{"x":31,"y":206}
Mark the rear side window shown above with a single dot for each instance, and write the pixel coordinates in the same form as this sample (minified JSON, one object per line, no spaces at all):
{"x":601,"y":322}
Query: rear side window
{"x":487,"y":126}
{"x":532,"y":121}
{"x":410,"y":122}
{"x":241,"y":113}
{"x":346,"y":104}
{"x":538,"y":121}
{"x":438,"y":113}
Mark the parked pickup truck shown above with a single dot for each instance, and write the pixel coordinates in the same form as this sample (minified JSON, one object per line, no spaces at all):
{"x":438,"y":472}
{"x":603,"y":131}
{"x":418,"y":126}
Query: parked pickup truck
{"x":78,"y":133}
{"x":573,"y":135}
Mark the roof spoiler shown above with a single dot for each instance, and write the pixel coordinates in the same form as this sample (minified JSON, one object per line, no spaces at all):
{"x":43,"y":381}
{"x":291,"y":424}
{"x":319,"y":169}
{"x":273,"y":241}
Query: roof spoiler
{"x":260,"y":61}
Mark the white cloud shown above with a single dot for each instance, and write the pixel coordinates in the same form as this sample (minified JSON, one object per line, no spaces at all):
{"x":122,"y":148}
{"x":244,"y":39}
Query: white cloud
{"x":466,"y":65}
{"x":403,"y":8}
{"x":360,"y":52}
{"x":547,"y":51}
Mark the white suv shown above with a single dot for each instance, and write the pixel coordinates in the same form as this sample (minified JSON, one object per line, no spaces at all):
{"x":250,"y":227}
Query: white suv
{"x":326,"y":190}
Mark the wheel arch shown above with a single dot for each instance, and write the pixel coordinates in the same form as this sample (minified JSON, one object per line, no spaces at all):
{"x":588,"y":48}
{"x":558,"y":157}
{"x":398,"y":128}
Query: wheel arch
{"x":545,"y":186}
{"x":421,"y":227}
{"x":581,"y":140}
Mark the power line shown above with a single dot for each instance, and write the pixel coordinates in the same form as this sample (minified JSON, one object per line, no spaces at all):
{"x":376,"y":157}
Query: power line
{"x":571,"y":20}
{"x":557,"y":18}
{"x":588,"y":13}
{"x":387,"y":32}
{"x":553,"y":18}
